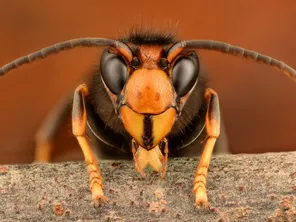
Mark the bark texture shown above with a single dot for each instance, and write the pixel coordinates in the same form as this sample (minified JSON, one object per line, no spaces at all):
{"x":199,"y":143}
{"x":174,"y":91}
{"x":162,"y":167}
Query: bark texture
{"x":240,"y":188}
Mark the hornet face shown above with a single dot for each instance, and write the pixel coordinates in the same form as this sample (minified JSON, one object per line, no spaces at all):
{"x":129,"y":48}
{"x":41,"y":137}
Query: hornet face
{"x":149,"y":91}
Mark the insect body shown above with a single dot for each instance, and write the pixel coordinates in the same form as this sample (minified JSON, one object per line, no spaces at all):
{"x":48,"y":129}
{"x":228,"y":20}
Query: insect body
{"x":149,"y":98}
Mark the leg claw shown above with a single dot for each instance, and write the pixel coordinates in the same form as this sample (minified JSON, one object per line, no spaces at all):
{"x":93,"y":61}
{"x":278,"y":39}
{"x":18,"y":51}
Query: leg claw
{"x":99,"y":201}
{"x":201,"y":201}
{"x":201,"y":204}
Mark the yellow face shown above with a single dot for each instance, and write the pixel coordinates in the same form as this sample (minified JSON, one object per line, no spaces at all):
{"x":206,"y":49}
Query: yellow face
{"x":148,"y":114}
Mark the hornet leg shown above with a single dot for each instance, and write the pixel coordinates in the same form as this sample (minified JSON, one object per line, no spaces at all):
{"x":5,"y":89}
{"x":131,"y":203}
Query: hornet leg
{"x":213,"y":131}
{"x":49,"y":128}
{"x":79,"y":121}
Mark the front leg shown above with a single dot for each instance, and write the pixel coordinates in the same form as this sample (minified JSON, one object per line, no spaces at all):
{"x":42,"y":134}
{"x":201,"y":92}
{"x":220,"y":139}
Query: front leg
{"x":165,"y":158}
{"x":136,"y":159}
{"x":213,"y":131}
{"x":49,"y":128}
{"x":79,"y":121}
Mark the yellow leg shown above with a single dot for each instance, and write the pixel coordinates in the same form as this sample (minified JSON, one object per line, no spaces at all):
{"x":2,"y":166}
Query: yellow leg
{"x":134,"y":151}
{"x":47,"y":131}
{"x":213,"y":131}
{"x":79,"y":120}
{"x":165,"y":159}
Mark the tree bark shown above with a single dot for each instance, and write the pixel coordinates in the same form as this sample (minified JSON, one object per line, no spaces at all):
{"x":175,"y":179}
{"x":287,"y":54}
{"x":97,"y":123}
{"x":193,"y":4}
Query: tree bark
{"x":240,"y":188}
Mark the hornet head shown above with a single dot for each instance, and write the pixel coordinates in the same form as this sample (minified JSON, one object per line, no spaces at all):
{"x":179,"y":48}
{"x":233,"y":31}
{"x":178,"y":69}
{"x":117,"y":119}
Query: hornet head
{"x":149,"y":85}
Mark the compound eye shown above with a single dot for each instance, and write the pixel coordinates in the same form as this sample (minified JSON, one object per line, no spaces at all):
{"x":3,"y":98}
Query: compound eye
{"x":114,"y":72}
{"x":184,"y":75}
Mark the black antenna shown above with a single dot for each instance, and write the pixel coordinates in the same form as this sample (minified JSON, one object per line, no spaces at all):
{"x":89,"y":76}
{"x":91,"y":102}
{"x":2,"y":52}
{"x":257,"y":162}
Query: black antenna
{"x":232,"y":50}
{"x":173,"y":51}
{"x":70,"y":44}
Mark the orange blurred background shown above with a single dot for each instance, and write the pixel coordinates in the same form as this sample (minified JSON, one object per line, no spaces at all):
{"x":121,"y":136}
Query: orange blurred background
{"x":257,"y":102}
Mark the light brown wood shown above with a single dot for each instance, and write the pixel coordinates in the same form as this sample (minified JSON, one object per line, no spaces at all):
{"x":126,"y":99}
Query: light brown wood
{"x":60,"y":192}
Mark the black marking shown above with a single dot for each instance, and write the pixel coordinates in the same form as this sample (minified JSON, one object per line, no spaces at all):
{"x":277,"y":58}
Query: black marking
{"x":79,"y":104}
{"x":214,"y":110}
{"x":147,"y":136}
{"x":98,"y":129}
{"x":190,"y":133}
{"x":119,"y":100}
{"x":136,"y":62}
{"x":163,"y":64}
{"x":149,"y":37}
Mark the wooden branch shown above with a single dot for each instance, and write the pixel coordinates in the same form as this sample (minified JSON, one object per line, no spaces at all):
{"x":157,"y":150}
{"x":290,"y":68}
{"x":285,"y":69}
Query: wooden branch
{"x":240,"y":188}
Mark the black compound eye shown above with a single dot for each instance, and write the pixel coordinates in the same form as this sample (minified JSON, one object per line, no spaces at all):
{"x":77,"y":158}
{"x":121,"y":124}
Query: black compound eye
{"x":184,"y":75}
{"x":114,"y":72}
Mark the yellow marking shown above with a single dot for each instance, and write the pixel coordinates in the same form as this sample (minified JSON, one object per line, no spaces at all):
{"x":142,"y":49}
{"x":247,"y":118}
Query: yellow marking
{"x":162,"y":124}
{"x":124,"y":50}
{"x":174,"y":54}
{"x":133,"y":123}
